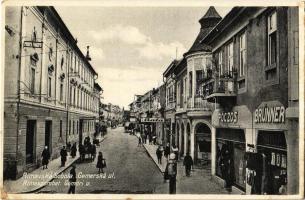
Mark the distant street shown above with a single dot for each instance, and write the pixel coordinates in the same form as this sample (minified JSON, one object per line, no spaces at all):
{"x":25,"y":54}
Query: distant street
{"x":133,"y":169}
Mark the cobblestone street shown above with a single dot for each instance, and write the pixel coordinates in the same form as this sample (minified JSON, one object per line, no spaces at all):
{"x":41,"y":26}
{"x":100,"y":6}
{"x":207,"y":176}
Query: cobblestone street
{"x":134,"y":171}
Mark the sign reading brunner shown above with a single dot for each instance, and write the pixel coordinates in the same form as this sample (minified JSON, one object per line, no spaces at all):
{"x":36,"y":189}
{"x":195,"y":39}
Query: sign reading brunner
{"x":270,"y":115}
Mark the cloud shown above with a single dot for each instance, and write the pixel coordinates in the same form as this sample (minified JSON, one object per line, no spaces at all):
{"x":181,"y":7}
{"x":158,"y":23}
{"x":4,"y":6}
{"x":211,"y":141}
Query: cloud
{"x":126,"y":34}
{"x":120,"y":85}
{"x":96,"y":53}
{"x":143,"y":44}
{"x":160,"y":50}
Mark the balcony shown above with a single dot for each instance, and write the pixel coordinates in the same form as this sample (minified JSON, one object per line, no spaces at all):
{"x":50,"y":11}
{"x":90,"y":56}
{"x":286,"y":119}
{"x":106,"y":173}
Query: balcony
{"x":170,"y":105}
{"x":198,"y":106}
{"x":222,"y":90}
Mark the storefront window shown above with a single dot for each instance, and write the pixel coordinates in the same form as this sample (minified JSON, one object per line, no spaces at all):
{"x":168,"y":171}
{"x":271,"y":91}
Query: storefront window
{"x":271,"y":145}
{"x":230,"y":151}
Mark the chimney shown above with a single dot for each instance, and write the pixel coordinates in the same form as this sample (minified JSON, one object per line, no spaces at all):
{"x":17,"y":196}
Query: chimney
{"x":88,"y":56}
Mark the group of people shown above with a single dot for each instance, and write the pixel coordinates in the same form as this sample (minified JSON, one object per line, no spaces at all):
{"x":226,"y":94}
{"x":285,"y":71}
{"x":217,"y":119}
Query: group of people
{"x":87,"y":148}
{"x":100,"y":165}
{"x":166,"y":152}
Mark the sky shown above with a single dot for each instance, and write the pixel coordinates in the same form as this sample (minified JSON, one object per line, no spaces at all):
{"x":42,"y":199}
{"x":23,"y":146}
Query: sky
{"x":131,"y":47}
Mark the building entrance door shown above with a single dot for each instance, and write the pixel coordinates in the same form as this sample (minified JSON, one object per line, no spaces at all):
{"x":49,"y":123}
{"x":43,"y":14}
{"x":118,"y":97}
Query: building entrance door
{"x":48,"y":135}
{"x":80,"y":135}
{"x":30,"y":144}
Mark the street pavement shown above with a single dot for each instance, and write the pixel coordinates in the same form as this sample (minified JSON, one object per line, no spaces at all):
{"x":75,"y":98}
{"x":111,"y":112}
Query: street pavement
{"x":129,"y":169}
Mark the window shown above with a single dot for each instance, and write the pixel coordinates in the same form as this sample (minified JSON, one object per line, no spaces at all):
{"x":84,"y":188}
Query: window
{"x":220,"y":63}
{"x":73,"y":96}
{"x":272,"y":47}
{"x":73,"y":127}
{"x":32,"y":79}
{"x":69,"y":127}
{"x":199,"y":79}
{"x":49,"y":86}
{"x":242,"y":54}
{"x":61,"y":92}
{"x":60,"y":128}
{"x":77,"y":98}
{"x":77,"y":127}
{"x":190,"y":84}
{"x":230,"y":59}
{"x":70,"y":100}
{"x":81,"y":99}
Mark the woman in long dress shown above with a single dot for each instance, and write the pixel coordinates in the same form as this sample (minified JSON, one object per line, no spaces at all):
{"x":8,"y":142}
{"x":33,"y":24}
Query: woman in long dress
{"x":100,"y":162}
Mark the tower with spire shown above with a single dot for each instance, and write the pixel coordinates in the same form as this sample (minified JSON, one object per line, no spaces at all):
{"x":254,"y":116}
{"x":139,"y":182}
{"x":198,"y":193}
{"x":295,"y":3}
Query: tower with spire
{"x":207,"y":23}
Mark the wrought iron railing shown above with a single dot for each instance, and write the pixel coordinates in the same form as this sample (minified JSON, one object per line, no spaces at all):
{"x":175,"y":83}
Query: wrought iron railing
{"x":198,"y":103}
{"x":219,"y":85}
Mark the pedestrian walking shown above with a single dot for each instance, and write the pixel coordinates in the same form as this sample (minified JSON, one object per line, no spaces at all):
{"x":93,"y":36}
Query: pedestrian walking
{"x":73,"y":150}
{"x":63,"y":155}
{"x":150,"y":138}
{"x":81,"y":150}
{"x":171,"y":173}
{"x":93,"y":151}
{"x":72,"y":180}
{"x":159,"y":154}
{"x":101,"y":163}
{"x":188,"y":163}
{"x":45,"y":157}
{"x":139,"y":141}
{"x":167,"y":151}
{"x":175,"y":151}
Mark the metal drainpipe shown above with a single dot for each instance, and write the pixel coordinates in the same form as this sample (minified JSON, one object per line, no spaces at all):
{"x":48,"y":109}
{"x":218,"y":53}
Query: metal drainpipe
{"x":18,"y":86}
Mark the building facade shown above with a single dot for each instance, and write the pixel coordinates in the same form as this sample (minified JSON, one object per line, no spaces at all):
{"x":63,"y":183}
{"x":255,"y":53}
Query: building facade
{"x":254,"y":82}
{"x":233,"y":97}
{"x":49,"y":97}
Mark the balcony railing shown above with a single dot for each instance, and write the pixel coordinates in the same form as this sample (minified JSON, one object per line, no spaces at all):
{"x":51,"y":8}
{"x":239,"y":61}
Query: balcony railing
{"x":170,"y":105}
{"x":219,"y":87}
{"x":198,"y":103}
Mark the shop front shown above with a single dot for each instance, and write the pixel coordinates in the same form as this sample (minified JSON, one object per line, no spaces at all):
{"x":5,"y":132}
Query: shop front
{"x":230,"y":151}
{"x":202,"y":143}
{"x":268,"y":165}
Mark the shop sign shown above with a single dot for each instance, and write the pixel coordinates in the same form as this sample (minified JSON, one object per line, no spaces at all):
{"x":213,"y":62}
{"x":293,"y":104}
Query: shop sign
{"x":270,"y":115}
{"x":132,"y":120}
{"x":228,"y":117}
{"x":152,"y":120}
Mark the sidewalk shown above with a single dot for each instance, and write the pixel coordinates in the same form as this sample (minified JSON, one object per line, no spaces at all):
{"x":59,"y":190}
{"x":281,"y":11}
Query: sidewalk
{"x":200,"y":182}
{"x":39,"y":178}
{"x":31,"y":183}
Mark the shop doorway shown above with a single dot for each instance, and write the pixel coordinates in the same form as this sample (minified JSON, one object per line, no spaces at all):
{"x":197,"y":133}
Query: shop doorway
{"x":182,"y":140}
{"x":188,"y":132}
{"x":230,"y":156}
{"x":80,"y":135}
{"x":202,"y":143}
{"x":30,"y":141}
{"x":272,"y":147}
{"x":48,"y":135}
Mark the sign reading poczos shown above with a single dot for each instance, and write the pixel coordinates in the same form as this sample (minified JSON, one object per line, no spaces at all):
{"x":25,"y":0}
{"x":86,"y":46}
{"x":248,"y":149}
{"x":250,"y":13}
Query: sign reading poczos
{"x":270,"y":115}
{"x":228,"y":117}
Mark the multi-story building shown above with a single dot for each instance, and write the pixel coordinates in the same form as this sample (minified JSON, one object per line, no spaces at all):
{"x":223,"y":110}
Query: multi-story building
{"x":50,"y":97}
{"x":254,"y":83}
{"x":234,"y":96}
{"x":169,"y":77}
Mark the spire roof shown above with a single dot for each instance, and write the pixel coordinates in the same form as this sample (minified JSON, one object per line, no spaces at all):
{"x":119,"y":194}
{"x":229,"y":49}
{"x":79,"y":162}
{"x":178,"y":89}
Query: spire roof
{"x":207,"y":22}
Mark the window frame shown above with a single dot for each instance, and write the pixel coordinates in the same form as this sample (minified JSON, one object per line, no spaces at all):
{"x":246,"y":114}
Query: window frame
{"x":230,"y":58}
